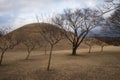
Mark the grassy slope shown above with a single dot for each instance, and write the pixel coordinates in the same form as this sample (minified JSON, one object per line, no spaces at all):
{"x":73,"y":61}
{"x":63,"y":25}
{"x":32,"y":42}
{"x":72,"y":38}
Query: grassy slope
{"x":94,"y":66}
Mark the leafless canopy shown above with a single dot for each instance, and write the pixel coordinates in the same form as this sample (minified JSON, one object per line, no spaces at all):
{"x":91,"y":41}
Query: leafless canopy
{"x":78,"y":23}
{"x":6,"y":42}
{"x":51,"y":34}
{"x":113,"y":22}
{"x":108,"y":6}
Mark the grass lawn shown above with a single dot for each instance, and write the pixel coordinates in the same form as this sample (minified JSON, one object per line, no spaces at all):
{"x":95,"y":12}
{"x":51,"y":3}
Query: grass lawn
{"x":84,"y":66}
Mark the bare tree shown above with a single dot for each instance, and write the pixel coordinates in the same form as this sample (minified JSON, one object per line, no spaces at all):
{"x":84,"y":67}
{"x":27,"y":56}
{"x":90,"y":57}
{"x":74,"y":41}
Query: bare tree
{"x":27,"y":39}
{"x":89,"y":42}
{"x":77,"y":23}
{"x":52,"y":35}
{"x":6,"y":42}
{"x":113,"y":22}
{"x":4,"y":45}
{"x":100,"y":43}
{"x":108,"y":6}
{"x":30,"y":44}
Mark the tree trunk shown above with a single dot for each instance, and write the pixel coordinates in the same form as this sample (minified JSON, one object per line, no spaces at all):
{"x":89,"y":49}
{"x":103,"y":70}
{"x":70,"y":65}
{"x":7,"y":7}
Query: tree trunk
{"x":102,"y":48}
{"x":90,"y":49}
{"x":1,"y":59}
{"x":49,"y":61}
{"x":28,"y":55}
{"x":74,"y":51}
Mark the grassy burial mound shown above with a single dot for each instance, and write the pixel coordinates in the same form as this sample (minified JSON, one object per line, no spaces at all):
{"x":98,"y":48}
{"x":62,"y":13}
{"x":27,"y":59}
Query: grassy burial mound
{"x":33,"y":31}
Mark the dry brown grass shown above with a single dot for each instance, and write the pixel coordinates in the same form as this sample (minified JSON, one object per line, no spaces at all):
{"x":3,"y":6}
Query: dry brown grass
{"x":84,"y":66}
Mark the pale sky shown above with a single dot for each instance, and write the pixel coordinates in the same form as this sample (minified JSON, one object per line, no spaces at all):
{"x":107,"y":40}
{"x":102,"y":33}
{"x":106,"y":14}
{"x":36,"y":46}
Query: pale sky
{"x":16,"y":13}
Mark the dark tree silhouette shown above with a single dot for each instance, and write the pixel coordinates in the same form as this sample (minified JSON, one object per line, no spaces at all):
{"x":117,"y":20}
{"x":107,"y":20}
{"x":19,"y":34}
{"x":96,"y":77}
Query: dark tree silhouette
{"x":77,"y":23}
{"x":113,"y":22}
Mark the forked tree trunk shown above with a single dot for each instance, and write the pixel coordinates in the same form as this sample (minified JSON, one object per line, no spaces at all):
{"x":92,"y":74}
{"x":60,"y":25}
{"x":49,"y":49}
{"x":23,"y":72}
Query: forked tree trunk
{"x":27,"y":57}
{"x":1,"y":59}
{"x":49,"y":61}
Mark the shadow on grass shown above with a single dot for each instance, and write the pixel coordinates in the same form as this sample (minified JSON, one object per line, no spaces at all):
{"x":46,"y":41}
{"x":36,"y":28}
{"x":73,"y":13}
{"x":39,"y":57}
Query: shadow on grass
{"x":83,"y":55}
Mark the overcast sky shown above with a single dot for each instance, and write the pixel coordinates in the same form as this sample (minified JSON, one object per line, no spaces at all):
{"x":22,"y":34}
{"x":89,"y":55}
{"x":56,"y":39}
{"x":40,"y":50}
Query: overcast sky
{"x":16,"y":13}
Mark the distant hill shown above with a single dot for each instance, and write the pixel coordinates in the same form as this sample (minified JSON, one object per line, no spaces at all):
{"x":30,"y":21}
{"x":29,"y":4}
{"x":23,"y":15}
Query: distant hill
{"x":110,"y":40}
